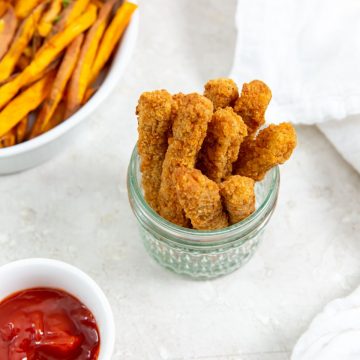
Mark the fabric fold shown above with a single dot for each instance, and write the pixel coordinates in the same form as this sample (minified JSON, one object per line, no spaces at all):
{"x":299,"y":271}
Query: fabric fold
{"x":307,"y":52}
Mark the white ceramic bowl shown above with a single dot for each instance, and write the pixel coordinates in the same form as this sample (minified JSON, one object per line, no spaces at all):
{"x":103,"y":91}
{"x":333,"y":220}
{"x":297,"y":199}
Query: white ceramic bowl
{"x":31,"y":153}
{"x":30,"y":273}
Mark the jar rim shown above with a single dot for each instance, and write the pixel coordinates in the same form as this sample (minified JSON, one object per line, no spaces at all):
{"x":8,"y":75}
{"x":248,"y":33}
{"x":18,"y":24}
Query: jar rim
{"x":193,"y":235}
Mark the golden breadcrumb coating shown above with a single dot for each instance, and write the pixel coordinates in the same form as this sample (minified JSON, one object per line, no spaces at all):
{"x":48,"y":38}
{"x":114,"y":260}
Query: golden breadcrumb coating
{"x":154,"y":122}
{"x":238,"y":197}
{"x":199,"y":197}
{"x":192,"y":113}
{"x":225,"y":133}
{"x":252,"y":103}
{"x":271,"y":147}
{"x":222,"y":92}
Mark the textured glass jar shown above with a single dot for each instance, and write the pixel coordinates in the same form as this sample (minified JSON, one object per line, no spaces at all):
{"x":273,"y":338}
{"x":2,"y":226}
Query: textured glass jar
{"x":201,"y":254}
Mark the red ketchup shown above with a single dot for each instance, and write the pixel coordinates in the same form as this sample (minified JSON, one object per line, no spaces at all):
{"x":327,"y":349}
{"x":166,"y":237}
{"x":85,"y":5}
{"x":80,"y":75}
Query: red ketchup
{"x":47,"y":324}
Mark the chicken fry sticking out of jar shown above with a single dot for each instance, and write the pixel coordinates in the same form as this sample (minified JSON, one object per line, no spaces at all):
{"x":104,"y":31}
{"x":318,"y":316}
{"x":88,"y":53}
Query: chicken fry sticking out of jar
{"x":192,"y":113}
{"x":154,"y":122}
{"x":252,"y":103}
{"x":271,"y":147}
{"x":199,"y":197}
{"x":226,"y":132}
{"x":222,"y":92}
{"x":238,"y":196}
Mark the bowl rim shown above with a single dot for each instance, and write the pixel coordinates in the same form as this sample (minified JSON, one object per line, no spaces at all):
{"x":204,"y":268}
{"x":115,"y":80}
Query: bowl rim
{"x":121,"y":59}
{"x":106,"y":348}
{"x":197,"y":237}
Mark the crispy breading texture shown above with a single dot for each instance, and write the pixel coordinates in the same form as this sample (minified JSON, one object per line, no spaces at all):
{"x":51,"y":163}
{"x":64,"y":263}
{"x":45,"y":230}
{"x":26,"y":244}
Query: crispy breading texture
{"x":221,"y":146}
{"x":238,"y":197}
{"x":200,"y":198}
{"x":192,"y":113}
{"x":271,"y":147}
{"x":222,"y":92}
{"x":154,"y":122}
{"x":252,"y":104}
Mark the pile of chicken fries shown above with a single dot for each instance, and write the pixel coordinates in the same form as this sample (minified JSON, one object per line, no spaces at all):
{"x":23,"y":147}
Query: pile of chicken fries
{"x":53,"y":55}
{"x":201,"y":155}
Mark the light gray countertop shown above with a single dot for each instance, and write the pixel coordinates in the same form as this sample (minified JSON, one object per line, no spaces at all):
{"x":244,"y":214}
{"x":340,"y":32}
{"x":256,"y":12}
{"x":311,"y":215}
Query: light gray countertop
{"x":75,"y":208}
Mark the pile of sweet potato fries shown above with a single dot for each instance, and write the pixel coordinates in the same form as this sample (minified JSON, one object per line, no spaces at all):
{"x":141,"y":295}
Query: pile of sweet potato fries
{"x":52,"y":57}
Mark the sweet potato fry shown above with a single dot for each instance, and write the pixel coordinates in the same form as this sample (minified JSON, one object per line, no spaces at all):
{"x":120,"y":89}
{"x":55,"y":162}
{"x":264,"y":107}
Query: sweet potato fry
{"x":80,"y":77}
{"x":8,"y":139}
{"x":89,"y":93}
{"x":10,"y":22}
{"x":4,"y":5}
{"x":24,"y":7}
{"x":28,"y":52}
{"x":111,"y":37}
{"x":23,"y":62}
{"x":98,"y":3}
{"x":57,"y":117}
{"x":24,"y":103}
{"x":46,"y":22}
{"x":21,"y":40}
{"x":48,"y":52}
{"x":36,"y":43}
{"x":65,"y":70}
{"x":21,"y":130}
{"x":69,"y":14}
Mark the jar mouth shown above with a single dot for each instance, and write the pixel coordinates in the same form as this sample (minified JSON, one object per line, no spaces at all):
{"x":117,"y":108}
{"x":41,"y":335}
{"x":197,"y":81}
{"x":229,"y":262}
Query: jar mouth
{"x":263,"y":210}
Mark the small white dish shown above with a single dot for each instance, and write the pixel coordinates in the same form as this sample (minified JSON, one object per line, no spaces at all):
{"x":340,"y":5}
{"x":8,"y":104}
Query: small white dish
{"x":32,"y":273}
{"x":40,"y":149}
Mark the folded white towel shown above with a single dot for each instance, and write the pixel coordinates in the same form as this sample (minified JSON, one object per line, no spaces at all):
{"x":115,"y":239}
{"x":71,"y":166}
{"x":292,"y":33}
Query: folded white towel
{"x":345,"y":136}
{"x":308,"y":52}
{"x":334,"y":334}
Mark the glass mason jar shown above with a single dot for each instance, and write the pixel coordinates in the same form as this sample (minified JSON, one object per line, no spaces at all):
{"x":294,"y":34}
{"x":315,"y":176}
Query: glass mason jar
{"x":199,"y":253}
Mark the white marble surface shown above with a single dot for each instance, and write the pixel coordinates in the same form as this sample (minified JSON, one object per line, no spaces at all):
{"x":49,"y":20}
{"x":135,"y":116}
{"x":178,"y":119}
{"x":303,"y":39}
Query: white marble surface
{"x":75,"y":208}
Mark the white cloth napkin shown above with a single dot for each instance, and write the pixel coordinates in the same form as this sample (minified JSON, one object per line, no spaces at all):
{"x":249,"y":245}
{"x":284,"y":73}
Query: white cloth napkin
{"x":308,"y":52}
{"x":334,"y":334}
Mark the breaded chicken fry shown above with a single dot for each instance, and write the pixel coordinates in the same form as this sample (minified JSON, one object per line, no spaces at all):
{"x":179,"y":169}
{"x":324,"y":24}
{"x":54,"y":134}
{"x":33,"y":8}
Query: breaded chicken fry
{"x":192,"y":114}
{"x":226,"y":132}
{"x":199,"y":197}
{"x":238,"y":196}
{"x":154,"y":122}
{"x":271,"y":147}
{"x":222,"y":92}
{"x":252,"y":103}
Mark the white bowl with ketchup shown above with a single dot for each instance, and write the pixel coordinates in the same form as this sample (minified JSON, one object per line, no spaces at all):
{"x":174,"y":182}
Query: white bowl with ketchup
{"x":54,"y":310}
